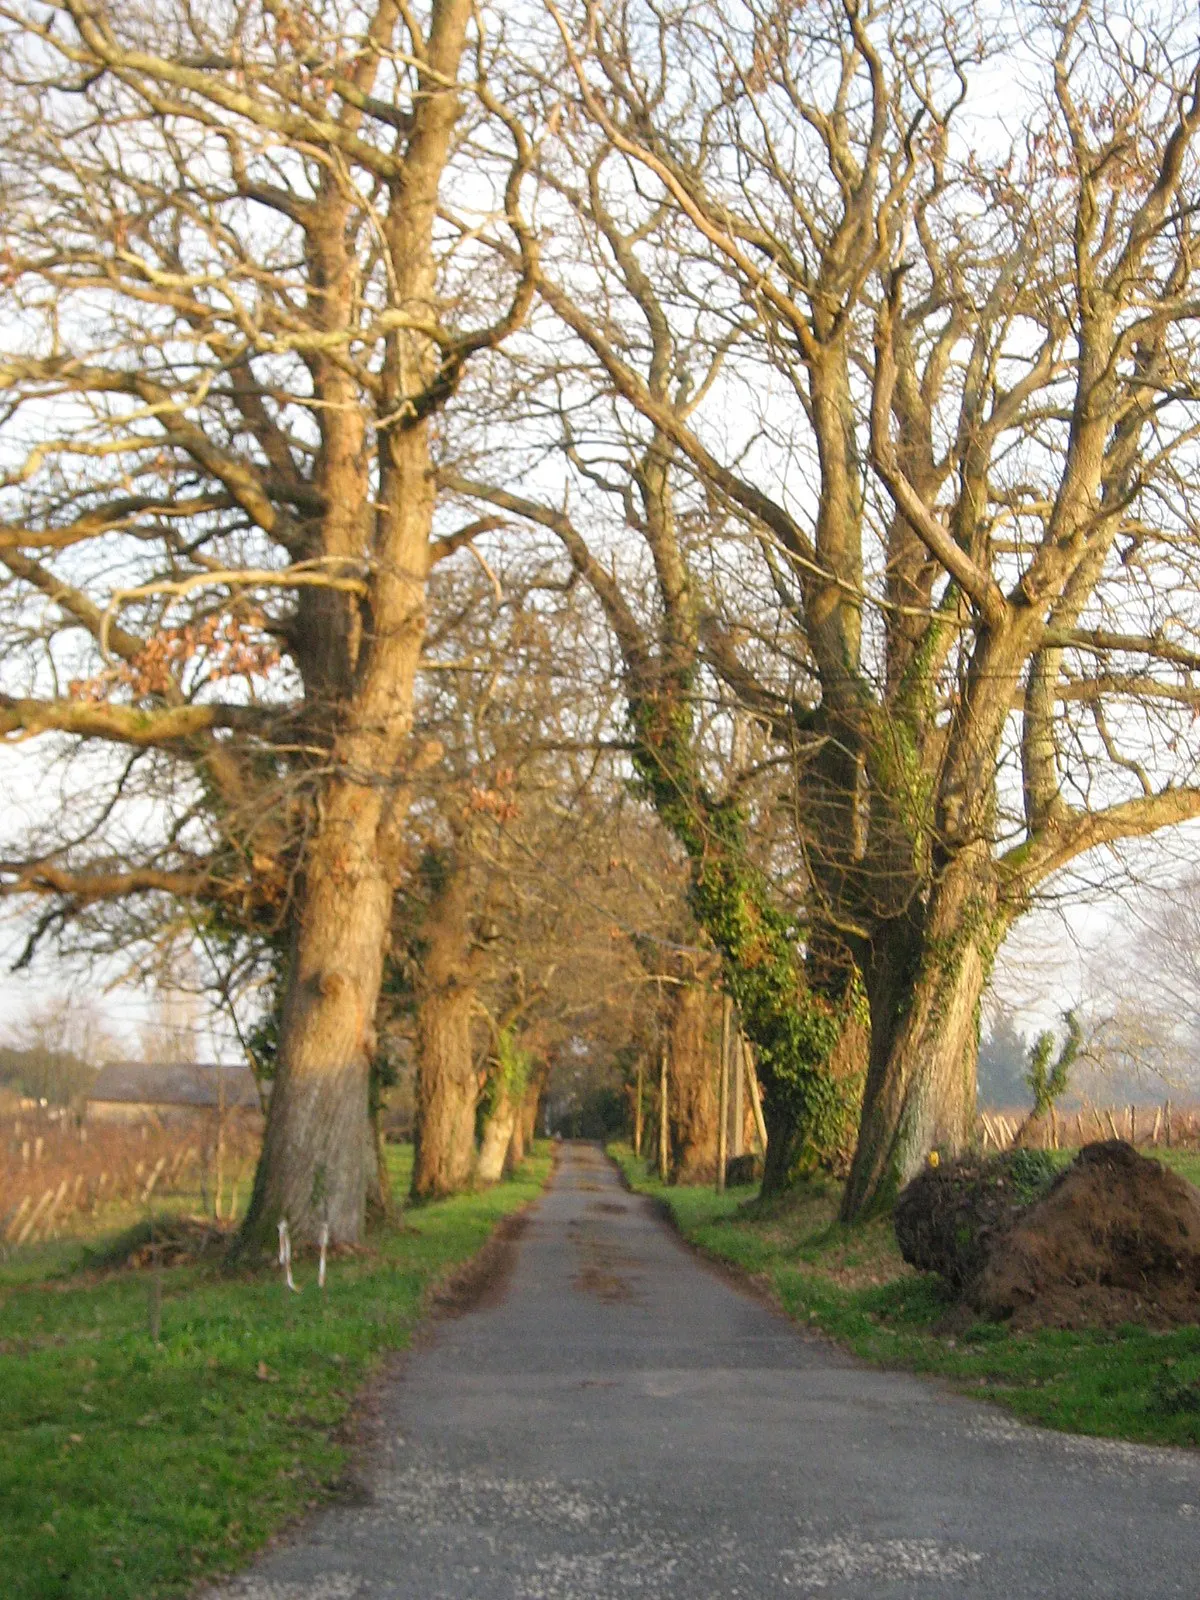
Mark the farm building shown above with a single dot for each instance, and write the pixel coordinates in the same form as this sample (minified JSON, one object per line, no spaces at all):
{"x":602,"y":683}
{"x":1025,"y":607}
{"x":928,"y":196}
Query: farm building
{"x":135,"y":1091}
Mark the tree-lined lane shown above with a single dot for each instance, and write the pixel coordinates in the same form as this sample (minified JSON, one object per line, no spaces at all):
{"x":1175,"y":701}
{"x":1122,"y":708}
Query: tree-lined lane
{"x":626,"y":1422}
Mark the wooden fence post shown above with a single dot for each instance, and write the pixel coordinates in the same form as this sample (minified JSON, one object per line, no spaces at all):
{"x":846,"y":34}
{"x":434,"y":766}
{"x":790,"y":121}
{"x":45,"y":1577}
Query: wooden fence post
{"x":34,"y":1217}
{"x":760,"y":1124}
{"x":738,"y":1143}
{"x":663,"y":1126}
{"x":723,"y":1097}
{"x":637,"y":1109}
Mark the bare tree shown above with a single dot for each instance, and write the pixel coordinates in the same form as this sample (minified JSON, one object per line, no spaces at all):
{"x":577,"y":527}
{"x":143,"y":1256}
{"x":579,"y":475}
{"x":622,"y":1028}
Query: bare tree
{"x":1142,"y":1005}
{"x":661,"y":325}
{"x":505,"y":833}
{"x":238,"y":306}
{"x":55,"y":1051}
{"x":982,"y":363}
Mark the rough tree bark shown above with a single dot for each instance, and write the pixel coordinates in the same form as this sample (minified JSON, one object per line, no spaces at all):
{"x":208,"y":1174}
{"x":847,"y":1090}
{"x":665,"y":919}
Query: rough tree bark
{"x":526,"y":1131}
{"x":379,"y":1182}
{"x":447,"y":1086}
{"x":691,"y":1054}
{"x":447,"y":1093}
{"x":312,"y":1167}
{"x":498,"y":1134}
{"x":925,"y":984}
{"x":302,"y":429}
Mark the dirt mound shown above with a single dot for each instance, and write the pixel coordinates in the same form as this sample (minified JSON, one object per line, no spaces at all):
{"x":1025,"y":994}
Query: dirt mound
{"x":169,"y":1241}
{"x":950,"y":1217}
{"x":1116,"y":1239}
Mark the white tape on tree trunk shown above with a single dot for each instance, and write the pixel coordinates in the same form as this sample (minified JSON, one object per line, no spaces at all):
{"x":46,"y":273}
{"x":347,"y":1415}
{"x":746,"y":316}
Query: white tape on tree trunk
{"x":285,"y":1254}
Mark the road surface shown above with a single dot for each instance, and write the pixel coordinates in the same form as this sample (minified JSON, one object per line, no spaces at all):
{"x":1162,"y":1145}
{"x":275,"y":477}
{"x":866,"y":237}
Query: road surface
{"x":621,"y":1421}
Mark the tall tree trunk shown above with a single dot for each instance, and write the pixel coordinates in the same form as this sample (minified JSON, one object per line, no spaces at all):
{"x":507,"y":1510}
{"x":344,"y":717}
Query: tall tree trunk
{"x":737,"y":1067}
{"x":497,"y":1136}
{"x":539,"y":1078}
{"x":447,"y":1094}
{"x":518,"y":1143}
{"x":447,"y":1079}
{"x":692,"y":1098}
{"x":664,"y":1121}
{"x":797,"y":1030}
{"x":925,"y":985}
{"x":379,"y":1182}
{"x":828,"y":1102}
{"x":360,"y":664}
{"x":638,"y":1107}
{"x":312,"y":1168}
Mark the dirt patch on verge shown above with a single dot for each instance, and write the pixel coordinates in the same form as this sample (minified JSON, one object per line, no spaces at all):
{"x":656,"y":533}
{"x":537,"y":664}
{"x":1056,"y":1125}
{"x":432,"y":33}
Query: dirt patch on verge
{"x":951,"y":1217}
{"x":483,"y":1280}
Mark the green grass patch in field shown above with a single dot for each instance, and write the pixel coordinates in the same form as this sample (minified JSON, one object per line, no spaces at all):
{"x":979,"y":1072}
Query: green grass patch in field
{"x":1185,"y":1162}
{"x":851,"y":1282}
{"x":129,"y":1469}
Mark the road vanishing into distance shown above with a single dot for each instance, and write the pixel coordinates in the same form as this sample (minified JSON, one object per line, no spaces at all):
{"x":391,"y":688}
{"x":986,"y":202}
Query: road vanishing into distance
{"x":616,"y":1419}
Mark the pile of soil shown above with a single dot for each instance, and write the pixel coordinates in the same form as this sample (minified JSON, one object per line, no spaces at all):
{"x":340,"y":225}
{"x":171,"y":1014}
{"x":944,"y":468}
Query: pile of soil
{"x":1115,"y":1238}
{"x":950,"y":1217}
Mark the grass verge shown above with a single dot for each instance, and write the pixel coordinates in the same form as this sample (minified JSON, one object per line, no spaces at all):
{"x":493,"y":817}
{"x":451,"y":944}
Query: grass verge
{"x":851,"y":1282}
{"x":128,"y":1470}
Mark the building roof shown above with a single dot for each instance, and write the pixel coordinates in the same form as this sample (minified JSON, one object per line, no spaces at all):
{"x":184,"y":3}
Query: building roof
{"x":196,"y":1083}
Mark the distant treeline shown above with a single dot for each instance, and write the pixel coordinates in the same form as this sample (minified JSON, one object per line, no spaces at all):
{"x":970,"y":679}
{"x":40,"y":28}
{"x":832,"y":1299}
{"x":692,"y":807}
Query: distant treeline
{"x":1004,"y":1055}
{"x":40,"y":1073}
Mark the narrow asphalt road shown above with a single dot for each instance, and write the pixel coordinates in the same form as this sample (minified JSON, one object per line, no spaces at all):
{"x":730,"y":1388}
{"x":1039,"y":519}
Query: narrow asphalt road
{"x":624,"y":1422}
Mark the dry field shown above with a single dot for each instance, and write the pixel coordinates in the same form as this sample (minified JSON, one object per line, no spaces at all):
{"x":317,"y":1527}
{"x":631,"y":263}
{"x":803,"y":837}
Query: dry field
{"x":1161,"y":1125}
{"x":60,"y":1177}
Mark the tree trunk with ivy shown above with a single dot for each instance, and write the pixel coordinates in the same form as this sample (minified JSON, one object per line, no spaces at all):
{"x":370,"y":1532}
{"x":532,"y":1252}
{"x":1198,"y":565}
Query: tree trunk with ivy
{"x":796,"y":1029}
{"x":926,"y":983}
{"x":498,"y":1133}
{"x":798,"y":1034}
{"x":518,"y":1144}
{"x":505,"y":1096}
{"x":526,"y":1129}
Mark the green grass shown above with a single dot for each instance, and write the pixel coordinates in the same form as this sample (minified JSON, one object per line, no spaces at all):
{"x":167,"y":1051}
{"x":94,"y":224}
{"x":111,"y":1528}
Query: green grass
{"x":1185,"y":1162}
{"x":129,"y":1469}
{"x":1127,"y":1383}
